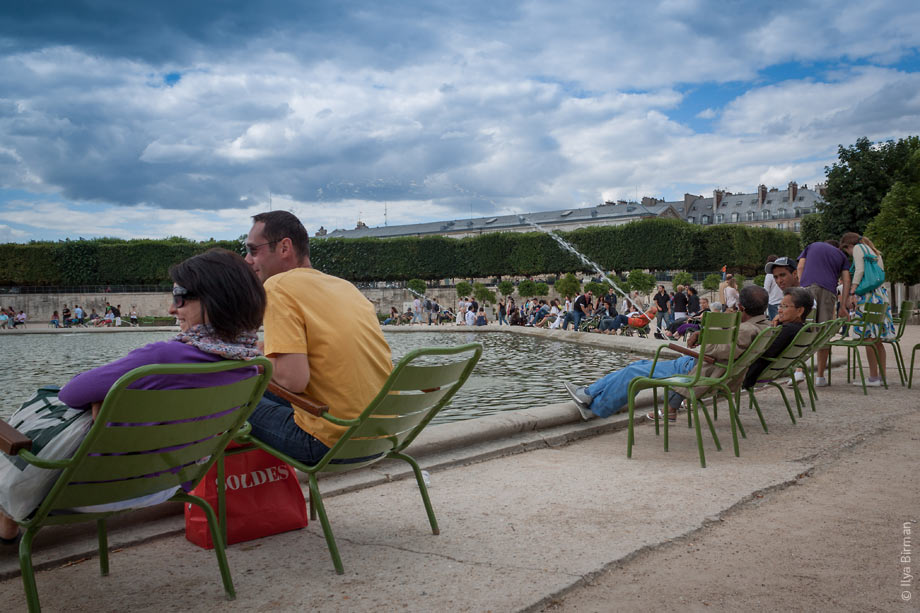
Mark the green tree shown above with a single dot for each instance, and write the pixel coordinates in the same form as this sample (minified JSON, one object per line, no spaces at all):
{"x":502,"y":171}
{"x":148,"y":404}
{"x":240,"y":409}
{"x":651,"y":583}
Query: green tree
{"x":759,"y":279}
{"x":541,"y":289}
{"x":739,"y":280}
{"x":568,"y":285}
{"x":527,"y":288}
{"x":682,"y":278}
{"x":598,"y":289}
{"x":483,"y":294}
{"x":506,"y":288}
{"x":896,"y":229}
{"x":813,"y":231}
{"x":641,"y":281}
{"x":857,"y":182}
{"x":418,"y":286}
{"x":463,"y":289}
{"x":711,"y":282}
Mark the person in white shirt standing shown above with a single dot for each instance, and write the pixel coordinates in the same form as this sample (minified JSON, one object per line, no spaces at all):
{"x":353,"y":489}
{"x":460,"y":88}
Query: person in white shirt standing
{"x":776,"y":294}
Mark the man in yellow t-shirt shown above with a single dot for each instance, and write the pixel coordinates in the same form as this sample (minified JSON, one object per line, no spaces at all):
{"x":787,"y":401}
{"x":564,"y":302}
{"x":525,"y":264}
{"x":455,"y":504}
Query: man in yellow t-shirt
{"x":322,"y":336}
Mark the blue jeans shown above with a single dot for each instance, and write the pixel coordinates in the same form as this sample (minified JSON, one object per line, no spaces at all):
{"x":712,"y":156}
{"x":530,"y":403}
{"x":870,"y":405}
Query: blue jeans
{"x":609,"y":393}
{"x":273,"y":423}
{"x":772,"y":310}
{"x":573,"y":316}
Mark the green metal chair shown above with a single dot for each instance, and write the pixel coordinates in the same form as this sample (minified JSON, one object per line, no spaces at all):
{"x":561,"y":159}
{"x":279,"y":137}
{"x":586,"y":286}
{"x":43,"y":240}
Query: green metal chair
{"x":805,"y":343}
{"x":830,"y":328}
{"x":904,"y":314}
{"x":413,"y":394}
{"x":143,"y":442}
{"x":739,"y":369}
{"x":873,"y":314}
{"x":718,"y":329}
{"x":913,"y":354}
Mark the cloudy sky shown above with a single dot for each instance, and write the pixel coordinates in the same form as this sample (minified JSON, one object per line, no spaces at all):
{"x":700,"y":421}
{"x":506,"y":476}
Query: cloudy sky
{"x":164,"y":118}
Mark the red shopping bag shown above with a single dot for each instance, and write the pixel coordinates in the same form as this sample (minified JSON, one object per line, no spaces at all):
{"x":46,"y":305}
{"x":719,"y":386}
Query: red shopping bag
{"x":263,"y":498}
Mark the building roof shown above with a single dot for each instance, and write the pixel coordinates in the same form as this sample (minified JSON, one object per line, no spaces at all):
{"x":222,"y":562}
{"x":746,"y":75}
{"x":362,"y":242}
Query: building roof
{"x":622,"y":211}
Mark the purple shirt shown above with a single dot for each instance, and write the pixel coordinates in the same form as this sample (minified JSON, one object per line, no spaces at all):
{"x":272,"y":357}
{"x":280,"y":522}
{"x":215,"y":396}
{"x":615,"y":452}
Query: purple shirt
{"x":823,"y":265}
{"x":92,"y":385}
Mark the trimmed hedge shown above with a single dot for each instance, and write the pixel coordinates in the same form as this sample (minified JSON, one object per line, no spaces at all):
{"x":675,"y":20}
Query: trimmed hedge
{"x":656,"y":244}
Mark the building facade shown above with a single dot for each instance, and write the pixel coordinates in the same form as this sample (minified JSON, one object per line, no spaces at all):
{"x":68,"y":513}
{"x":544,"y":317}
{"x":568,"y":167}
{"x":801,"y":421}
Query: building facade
{"x":768,"y":208}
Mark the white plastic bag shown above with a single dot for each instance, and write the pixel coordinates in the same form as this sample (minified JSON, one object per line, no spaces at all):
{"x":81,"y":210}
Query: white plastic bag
{"x":56,"y":431}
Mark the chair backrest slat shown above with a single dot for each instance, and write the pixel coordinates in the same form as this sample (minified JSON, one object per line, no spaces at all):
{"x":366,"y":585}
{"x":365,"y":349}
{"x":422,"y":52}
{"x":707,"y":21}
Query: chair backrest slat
{"x":130,"y":453}
{"x":399,"y":404}
{"x":85,"y":494}
{"x":806,"y":338}
{"x":393,"y":420}
{"x":426,"y":377}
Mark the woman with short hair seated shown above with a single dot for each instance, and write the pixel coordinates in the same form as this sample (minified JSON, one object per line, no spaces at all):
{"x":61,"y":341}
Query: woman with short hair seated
{"x":793,"y":310}
{"x":219,"y":304}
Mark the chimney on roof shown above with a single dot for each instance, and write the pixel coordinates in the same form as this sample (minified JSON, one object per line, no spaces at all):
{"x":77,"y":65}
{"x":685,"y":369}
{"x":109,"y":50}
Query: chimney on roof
{"x":761,"y":195}
{"x":717,"y":196}
{"x":688,"y":200}
{"x":320,"y":232}
{"x":793,"y":190}
{"x":648,"y":201}
{"x":361,"y":226}
{"x":621,"y":202}
{"x":821,"y":188}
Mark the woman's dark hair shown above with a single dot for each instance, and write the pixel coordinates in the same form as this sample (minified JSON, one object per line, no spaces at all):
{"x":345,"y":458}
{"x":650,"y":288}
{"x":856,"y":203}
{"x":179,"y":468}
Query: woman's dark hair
{"x":692,"y":290}
{"x":229,"y":291}
{"x":801,"y":298}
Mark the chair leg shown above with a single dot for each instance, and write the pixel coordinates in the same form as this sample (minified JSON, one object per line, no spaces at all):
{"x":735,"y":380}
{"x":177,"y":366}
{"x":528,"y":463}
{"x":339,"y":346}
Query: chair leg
{"x":222,"y":498}
{"x":699,"y":434}
{"x":862,"y":375}
{"x":218,"y":537}
{"x":785,"y":401}
{"x":899,"y":361}
{"x":103,"y":547}
{"x":630,"y":436}
{"x":752,"y":402}
{"x":797,"y":394}
{"x":733,"y":419}
{"x":28,"y":573}
{"x":422,"y":488}
{"x":878,"y":361}
{"x":327,"y":529}
{"x":910,"y":378}
{"x":312,"y":509}
{"x":712,"y":428}
{"x":734,"y":404}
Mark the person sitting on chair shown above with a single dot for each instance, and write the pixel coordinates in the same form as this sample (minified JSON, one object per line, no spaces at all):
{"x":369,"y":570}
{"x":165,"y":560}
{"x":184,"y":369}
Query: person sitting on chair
{"x":313,"y":353}
{"x":791,"y":315}
{"x":219,"y":304}
{"x":608,"y":395}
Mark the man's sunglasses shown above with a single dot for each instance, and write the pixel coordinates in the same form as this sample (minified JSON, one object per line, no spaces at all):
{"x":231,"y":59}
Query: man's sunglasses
{"x":180,"y":295}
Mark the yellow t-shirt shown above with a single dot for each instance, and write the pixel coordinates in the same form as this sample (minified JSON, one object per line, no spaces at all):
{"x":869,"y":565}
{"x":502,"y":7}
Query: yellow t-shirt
{"x":330,"y":321}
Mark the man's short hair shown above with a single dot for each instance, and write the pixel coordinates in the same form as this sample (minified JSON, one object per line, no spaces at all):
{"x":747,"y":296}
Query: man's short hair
{"x":282,"y":224}
{"x":754,"y":299}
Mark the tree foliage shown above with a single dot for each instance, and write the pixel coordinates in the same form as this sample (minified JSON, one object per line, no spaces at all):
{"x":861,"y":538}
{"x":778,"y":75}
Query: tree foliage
{"x":682,"y":278}
{"x":859,"y":180}
{"x":641,"y":281}
{"x":483,"y":294}
{"x":506,"y":288}
{"x":760,"y":279}
{"x":598,"y":289}
{"x":896,"y":229}
{"x":712,"y":282}
{"x":568,"y":285}
{"x":541,"y":289}
{"x":527,"y":288}
{"x":418,"y":286}
{"x":464,"y":289}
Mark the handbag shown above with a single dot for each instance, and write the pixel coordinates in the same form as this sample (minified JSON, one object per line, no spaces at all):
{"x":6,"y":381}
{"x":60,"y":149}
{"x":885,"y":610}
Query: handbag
{"x":56,"y":431}
{"x":263,"y":497}
{"x":873,"y":275}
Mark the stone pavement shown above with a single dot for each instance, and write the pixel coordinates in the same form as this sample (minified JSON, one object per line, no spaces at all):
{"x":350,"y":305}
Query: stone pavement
{"x":517,"y":531}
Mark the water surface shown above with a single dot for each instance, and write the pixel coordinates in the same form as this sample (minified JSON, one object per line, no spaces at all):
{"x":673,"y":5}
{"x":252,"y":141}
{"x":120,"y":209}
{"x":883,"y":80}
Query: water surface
{"x":515,"y":371}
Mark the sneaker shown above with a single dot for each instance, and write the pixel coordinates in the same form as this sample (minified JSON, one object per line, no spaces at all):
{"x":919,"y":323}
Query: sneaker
{"x":820,"y":382}
{"x":582,"y":400}
{"x":796,"y":379}
{"x":870,"y":382}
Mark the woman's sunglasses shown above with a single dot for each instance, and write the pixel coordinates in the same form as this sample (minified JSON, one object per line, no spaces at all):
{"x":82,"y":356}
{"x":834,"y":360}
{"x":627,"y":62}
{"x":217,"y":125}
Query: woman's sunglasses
{"x":180,"y":295}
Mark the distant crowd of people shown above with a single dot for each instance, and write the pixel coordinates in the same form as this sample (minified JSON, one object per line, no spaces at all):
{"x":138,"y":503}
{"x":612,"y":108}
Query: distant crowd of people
{"x":10,"y":319}
{"x":111,"y":317}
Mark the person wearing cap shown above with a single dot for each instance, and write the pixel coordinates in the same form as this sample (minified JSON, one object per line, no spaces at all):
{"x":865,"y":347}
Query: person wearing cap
{"x":820,"y":266}
{"x":776,"y":294}
{"x":784,"y":272}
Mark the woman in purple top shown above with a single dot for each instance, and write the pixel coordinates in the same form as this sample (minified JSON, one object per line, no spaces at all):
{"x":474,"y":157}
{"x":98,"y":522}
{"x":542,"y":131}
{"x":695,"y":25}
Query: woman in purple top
{"x":219,"y":304}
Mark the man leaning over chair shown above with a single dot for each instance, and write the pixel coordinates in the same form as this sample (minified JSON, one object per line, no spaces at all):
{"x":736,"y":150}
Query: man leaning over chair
{"x":608,"y":395}
{"x":321,"y":335}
